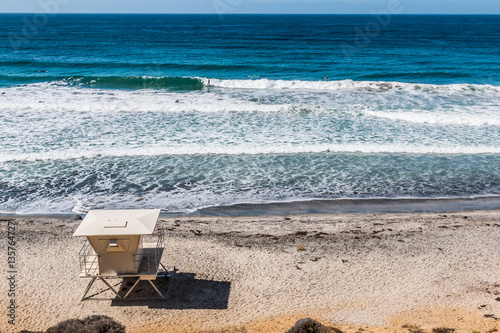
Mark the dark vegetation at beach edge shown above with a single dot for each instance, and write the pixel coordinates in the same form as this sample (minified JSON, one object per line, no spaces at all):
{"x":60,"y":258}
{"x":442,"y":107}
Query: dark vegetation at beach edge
{"x":91,"y":324}
{"x":105,"y":324}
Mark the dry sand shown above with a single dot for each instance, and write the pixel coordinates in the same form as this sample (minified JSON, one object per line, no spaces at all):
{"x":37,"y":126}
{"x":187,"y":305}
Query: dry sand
{"x":375,"y":272}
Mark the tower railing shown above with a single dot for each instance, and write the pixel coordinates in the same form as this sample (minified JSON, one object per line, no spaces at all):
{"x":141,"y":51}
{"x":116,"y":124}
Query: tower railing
{"x":89,"y":263}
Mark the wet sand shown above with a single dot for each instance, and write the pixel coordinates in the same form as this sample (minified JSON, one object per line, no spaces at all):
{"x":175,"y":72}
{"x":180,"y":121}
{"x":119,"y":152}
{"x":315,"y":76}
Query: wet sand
{"x":378,"y":272}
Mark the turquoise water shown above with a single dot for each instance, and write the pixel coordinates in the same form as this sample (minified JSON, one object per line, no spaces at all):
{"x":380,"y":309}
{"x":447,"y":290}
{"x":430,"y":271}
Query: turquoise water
{"x":183,"y":112}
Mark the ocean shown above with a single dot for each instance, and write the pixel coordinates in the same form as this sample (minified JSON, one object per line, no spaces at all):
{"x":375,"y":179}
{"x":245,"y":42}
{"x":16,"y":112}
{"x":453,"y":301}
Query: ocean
{"x":201,"y":113}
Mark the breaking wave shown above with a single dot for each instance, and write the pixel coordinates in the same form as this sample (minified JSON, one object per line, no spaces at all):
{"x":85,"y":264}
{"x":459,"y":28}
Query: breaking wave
{"x":344,"y":85}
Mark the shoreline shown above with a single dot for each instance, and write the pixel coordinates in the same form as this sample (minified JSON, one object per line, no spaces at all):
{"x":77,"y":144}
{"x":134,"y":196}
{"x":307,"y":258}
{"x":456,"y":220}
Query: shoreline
{"x":376,"y":271}
{"x":346,"y":205}
{"x":318,"y":206}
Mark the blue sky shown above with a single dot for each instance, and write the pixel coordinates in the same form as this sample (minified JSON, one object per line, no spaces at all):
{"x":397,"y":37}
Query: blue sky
{"x":253,"y":6}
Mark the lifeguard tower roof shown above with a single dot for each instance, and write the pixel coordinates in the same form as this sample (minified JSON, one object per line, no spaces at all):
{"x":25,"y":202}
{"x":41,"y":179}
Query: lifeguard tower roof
{"x":118,"y":222}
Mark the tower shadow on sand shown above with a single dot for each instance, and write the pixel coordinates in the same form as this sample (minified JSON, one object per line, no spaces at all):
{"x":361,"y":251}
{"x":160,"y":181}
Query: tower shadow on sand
{"x":182,"y":291}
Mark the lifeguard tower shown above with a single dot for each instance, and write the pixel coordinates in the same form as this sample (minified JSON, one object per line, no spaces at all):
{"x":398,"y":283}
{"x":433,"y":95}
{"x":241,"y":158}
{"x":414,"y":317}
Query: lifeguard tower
{"x":114,"y":248}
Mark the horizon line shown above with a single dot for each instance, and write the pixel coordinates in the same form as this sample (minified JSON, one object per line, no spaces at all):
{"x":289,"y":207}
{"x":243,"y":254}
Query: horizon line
{"x":229,"y":14}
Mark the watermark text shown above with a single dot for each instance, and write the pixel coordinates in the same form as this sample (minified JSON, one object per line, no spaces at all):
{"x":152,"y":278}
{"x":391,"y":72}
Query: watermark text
{"x":11,"y":272}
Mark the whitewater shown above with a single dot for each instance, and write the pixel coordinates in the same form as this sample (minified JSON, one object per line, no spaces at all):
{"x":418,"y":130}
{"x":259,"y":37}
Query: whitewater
{"x":241,"y":141}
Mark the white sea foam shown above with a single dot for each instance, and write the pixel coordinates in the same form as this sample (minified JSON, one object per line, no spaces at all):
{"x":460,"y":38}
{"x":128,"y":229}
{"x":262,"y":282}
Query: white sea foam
{"x":247,"y":150}
{"x":50,"y":97}
{"x":59,"y":97}
{"x":442,"y":117}
{"x":218,"y":180}
{"x":343,"y":85}
{"x":54,"y":121}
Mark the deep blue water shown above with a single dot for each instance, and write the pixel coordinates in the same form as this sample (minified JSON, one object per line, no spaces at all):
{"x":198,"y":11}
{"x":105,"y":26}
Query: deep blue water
{"x":117,"y":111}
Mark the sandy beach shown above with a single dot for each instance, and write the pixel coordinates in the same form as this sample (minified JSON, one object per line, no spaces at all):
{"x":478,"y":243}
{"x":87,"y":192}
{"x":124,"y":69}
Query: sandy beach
{"x":371,"y":272}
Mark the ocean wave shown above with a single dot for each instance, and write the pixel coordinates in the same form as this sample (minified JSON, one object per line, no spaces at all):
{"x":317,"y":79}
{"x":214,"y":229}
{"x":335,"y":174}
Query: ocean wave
{"x":111,"y":82}
{"x":326,"y":85}
{"x":161,"y":150}
{"x":199,"y":83}
{"x":447,"y":105}
{"x":186,"y":183}
{"x":52,"y":98}
{"x":136,"y":82}
{"x":440,"y":118}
